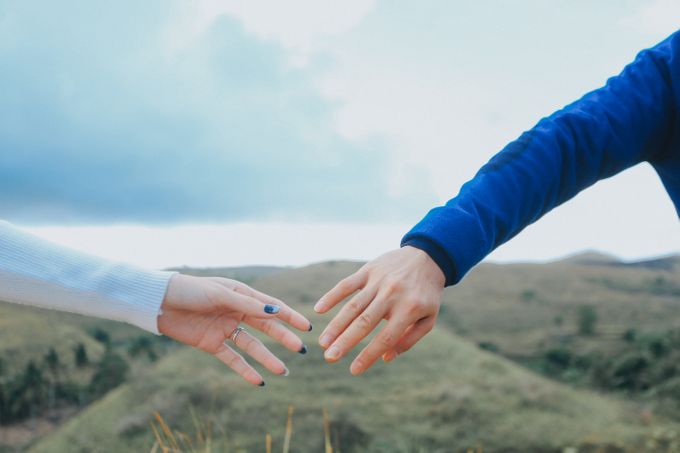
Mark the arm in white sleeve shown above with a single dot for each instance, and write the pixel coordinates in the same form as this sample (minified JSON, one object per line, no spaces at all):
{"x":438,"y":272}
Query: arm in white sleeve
{"x":36,"y":272}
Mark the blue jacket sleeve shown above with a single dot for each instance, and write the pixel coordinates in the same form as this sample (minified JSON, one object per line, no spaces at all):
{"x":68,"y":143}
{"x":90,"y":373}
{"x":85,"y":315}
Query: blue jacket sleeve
{"x":629,"y":120}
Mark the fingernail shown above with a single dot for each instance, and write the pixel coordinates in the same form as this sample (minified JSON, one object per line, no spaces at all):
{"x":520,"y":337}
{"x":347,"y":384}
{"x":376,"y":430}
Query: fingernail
{"x":324,"y":340}
{"x":271,"y":309}
{"x":332,"y":353}
{"x":303,"y":350}
{"x":310,"y":327}
{"x":261,"y":384}
{"x":285,"y":372}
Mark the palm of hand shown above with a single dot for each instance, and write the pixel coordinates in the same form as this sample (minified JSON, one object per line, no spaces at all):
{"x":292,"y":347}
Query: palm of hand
{"x":205,"y":312}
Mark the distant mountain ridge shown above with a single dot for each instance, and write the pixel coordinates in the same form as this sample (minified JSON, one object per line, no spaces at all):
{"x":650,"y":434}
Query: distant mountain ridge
{"x":591,"y":257}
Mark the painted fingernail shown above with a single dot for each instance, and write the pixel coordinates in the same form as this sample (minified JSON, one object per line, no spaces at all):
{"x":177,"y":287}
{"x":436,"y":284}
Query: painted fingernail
{"x":325,"y":340}
{"x":271,"y":309}
{"x":303,"y":350}
{"x":332,"y":353}
{"x":261,"y":384}
{"x":310,"y":327}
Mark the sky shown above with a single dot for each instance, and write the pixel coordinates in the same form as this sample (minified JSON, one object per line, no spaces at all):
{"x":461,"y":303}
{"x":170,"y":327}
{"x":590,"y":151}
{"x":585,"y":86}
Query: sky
{"x":222,"y":133}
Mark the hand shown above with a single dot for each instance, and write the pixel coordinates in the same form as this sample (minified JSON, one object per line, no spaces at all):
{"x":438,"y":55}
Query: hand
{"x":204,"y":312}
{"x":404,"y":287}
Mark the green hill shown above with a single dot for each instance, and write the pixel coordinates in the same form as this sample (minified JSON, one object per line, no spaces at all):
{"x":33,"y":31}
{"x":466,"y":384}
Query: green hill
{"x":446,"y":396}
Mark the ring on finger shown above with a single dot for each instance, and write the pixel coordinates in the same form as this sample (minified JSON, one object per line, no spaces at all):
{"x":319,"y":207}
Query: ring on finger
{"x":235,"y":333}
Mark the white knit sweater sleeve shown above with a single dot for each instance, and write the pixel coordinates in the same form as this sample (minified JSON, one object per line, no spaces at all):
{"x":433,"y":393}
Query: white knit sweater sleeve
{"x":36,"y":272}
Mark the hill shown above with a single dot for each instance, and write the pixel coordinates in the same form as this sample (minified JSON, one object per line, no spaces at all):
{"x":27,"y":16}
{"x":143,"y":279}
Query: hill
{"x":447,"y":396}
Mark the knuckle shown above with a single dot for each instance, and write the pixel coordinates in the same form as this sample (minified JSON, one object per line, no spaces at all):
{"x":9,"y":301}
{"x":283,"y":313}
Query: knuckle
{"x":364,"y":321}
{"x":232,"y":361}
{"x":393,"y":285}
{"x":347,"y":284}
{"x":417,"y":306}
{"x":385,"y":338}
{"x":268,"y":329}
{"x":251,"y":345}
{"x":353,"y":306}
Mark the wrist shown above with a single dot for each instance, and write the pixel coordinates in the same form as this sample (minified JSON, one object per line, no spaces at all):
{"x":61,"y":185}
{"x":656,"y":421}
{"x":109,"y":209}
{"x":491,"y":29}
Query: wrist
{"x":429,"y":266}
{"x":437,"y":256}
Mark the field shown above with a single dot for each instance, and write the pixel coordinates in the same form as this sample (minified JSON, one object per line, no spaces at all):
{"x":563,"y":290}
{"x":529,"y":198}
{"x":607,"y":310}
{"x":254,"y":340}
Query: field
{"x":449,"y":394}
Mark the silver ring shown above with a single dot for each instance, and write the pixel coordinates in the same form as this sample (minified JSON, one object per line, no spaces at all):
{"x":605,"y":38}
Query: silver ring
{"x":235,"y":333}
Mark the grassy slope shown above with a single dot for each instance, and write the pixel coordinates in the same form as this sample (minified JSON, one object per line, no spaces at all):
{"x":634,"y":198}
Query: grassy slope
{"x":28,"y":333}
{"x":447,"y":393}
{"x":492,"y":304}
{"x":446,"y":397}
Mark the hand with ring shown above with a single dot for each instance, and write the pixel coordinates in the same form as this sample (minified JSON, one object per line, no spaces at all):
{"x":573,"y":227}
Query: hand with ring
{"x":206,"y":313}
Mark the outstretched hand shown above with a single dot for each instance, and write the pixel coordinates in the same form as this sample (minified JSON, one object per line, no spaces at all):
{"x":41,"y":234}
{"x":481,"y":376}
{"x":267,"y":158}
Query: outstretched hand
{"x":404,"y":287}
{"x":206,"y":312}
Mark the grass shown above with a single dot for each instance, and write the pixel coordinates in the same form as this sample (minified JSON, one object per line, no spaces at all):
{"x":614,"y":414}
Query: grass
{"x":202,"y":439}
{"x":446,"y":395}
{"x":449,"y":396}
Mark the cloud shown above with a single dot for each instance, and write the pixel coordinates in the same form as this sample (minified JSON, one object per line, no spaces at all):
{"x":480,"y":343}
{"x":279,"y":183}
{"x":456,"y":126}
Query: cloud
{"x":658,"y":18}
{"x":300,"y":26}
{"x":123,"y":112}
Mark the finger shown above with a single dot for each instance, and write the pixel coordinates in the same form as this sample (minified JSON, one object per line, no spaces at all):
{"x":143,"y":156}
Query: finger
{"x":346,"y":315}
{"x":257,"y":350}
{"x":278,"y":332}
{"x":342,"y":290}
{"x":383,"y":341}
{"x":412,"y":335}
{"x":362,"y":325}
{"x":283,"y":311}
{"x":236,"y":362}
{"x":243,"y":303}
{"x":293,"y":317}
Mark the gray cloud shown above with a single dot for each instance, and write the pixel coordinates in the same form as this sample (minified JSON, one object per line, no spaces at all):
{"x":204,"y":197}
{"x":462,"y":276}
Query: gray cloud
{"x":100,"y":123}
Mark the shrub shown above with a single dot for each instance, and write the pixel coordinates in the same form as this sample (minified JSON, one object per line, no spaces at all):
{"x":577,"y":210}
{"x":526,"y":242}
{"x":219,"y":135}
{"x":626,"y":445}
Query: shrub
{"x":80,"y":355}
{"x":630,"y":335}
{"x":528,"y":295}
{"x":587,"y":320}
{"x":111,"y":371}
{"x":489,"y":346}
{"x":102,"y":336}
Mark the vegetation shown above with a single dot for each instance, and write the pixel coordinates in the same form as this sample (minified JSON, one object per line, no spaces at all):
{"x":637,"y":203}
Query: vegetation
{"x":447,"y":396}
{"x":612,"y":386}
{"x":587,"y":320}
{"x":648,"y":364}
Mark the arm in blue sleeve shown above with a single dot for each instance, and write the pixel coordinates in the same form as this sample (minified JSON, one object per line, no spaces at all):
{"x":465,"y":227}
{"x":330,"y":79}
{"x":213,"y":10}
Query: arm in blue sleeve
{"x":628,"y":121}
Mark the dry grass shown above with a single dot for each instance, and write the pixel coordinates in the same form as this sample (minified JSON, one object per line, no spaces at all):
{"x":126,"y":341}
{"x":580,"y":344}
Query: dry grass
{"x":168,"y":440}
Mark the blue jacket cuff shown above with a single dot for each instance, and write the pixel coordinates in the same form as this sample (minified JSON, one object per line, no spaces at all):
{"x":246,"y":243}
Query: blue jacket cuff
{"x":437,"y":254}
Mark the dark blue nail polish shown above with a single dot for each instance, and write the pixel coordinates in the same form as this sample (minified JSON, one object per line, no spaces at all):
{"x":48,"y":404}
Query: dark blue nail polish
{"x":310,"y":327}
{"x":271,"y":309}
{"x":261,"y":384}
{"x":303,"y":350}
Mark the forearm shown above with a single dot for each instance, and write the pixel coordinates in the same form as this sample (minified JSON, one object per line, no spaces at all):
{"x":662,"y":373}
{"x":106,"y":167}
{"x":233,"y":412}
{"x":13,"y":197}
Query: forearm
{"x":626,"y":122}
{"x":36,"y":272}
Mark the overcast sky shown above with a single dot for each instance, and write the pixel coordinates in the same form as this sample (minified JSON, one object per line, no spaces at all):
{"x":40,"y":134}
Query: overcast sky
{"x":225,"y":133}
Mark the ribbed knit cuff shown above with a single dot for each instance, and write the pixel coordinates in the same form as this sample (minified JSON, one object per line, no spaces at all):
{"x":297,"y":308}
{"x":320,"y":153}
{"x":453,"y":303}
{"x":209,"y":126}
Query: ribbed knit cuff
{"x":37,"y":272}
{"x":140,"y":292}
